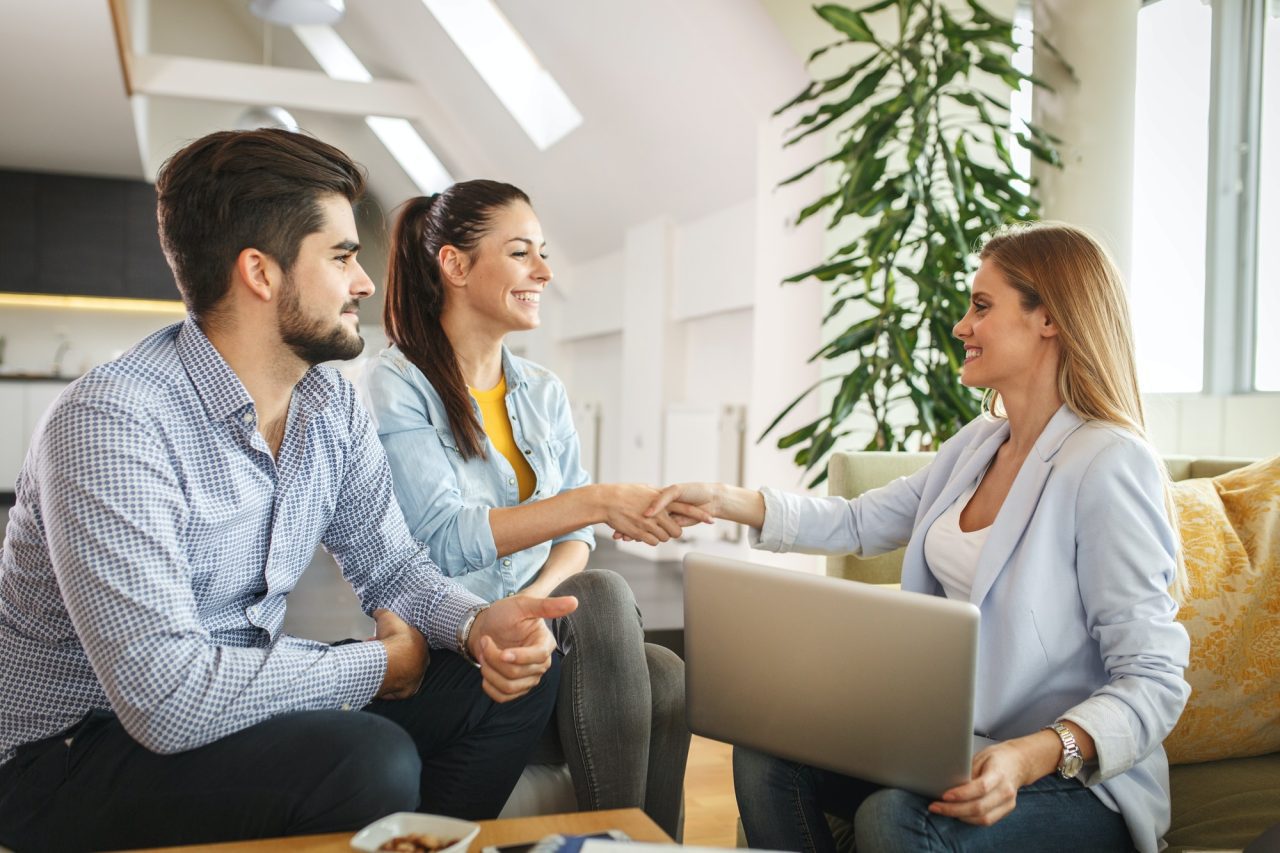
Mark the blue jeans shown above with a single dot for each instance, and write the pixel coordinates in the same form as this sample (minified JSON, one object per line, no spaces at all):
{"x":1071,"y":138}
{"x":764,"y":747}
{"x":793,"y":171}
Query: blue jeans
{"x":620,"y":711}
{"x":784,"y":807}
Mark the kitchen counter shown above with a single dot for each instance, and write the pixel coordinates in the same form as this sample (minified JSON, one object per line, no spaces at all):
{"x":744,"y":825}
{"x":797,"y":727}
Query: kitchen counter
{"x":35,"y":377}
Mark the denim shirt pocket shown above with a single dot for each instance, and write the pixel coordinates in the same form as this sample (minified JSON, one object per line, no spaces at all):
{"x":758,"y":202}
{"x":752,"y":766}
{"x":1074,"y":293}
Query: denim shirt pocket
{"x":551,"y":473}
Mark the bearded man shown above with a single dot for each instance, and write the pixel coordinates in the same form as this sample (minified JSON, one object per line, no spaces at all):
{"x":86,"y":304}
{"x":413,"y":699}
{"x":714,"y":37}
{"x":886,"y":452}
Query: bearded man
{"x":171,"y":500}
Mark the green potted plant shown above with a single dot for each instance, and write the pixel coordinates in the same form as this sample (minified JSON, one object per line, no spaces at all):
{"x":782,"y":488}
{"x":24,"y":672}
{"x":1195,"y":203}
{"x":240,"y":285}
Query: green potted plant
{"x":923,"y":157}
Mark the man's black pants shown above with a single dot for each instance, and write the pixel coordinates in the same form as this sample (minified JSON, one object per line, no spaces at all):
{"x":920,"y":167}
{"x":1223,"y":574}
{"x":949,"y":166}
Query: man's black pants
{"x":449,"y":750}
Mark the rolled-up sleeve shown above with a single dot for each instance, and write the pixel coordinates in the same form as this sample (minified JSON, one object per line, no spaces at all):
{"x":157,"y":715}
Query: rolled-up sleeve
{"x":425,"y":484}
{"x":873,"y":523}
{"x":1125,"y":550}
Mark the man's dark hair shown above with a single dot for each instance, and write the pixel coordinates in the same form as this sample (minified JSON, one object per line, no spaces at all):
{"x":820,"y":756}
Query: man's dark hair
{"x":234,"y":190}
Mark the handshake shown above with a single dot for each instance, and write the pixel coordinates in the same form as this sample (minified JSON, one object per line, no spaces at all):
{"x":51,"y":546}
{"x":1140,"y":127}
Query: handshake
{"x":640,"y":513}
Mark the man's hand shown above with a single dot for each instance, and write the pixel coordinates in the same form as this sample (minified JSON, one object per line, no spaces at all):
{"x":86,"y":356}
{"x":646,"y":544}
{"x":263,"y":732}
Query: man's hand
{"x":511,"y":641}
{"x":407,"y":655}
{"x":628,"y":509}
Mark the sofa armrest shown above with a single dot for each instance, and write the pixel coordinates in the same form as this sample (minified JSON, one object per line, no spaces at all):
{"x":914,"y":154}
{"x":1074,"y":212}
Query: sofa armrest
{"x":851,"y":474}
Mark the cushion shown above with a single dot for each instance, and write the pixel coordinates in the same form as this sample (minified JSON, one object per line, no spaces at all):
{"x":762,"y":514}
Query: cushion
{"x":1223,"y":804}
{"x":1231,"y":539}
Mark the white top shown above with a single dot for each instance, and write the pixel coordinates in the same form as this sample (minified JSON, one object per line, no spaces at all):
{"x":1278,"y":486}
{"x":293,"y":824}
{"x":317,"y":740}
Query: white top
{"x":952,"y":554}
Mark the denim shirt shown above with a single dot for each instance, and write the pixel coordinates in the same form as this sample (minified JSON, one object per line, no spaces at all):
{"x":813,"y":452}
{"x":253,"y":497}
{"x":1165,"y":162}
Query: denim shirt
{"x":446,"y":499}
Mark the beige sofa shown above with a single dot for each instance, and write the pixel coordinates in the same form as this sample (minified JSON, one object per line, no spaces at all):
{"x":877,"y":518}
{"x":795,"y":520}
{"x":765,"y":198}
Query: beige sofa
{"x":1216,"y":804}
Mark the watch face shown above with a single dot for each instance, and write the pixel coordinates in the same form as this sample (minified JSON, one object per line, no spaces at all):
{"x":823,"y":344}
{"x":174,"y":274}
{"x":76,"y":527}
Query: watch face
{"x":1071,"y":765}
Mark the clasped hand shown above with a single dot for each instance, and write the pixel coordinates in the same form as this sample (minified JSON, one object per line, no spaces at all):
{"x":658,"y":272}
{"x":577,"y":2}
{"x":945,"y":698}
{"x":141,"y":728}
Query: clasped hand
{"x":510,"y":639}
{"x":629,"y":508}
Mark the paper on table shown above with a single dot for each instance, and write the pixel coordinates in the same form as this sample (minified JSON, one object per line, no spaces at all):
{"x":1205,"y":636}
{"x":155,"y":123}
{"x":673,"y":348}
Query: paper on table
{"x":600,"y":846}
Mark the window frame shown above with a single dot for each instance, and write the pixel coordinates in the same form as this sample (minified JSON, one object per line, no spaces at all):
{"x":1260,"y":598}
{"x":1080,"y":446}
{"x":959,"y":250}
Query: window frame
{"x":1231,"y":246}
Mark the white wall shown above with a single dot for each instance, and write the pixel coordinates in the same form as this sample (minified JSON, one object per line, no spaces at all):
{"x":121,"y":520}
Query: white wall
{"x":718,"y":358}
{"x":594,"y":306}
{"x":1246,"y":425}
{"x":715,"y":263}
{"x":594,"y":376}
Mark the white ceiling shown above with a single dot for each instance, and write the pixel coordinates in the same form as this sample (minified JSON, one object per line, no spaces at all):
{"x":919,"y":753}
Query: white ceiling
{"x":672,"y":93}
{"x":62,"y":103}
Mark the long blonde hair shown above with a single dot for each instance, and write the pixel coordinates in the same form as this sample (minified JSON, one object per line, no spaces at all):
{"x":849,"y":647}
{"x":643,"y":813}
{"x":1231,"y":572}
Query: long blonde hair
{"x":1068,"y":271}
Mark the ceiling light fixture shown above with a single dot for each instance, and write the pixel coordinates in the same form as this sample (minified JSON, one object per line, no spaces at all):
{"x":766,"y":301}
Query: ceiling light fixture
{"x":256,"y":117}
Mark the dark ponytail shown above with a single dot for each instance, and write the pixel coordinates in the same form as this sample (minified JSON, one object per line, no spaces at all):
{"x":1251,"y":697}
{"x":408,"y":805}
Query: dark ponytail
{"x":457,"y":217}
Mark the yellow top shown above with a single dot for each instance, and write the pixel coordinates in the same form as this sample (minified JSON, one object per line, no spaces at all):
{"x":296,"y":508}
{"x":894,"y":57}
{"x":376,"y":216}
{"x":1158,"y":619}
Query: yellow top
{"x":497,"y":425}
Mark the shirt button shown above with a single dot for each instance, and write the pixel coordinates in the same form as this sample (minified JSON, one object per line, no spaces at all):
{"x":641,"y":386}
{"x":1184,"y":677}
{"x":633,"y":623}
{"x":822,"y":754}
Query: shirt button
{"x":527,"y":451}
{"x":247,"y":417}
{"x":506,"y":562}
{"x":346,"y":706}
{"x":511,"y":481}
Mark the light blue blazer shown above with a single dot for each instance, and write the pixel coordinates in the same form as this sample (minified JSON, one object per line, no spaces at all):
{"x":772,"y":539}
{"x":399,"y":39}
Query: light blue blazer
{"x":1072,"y":583}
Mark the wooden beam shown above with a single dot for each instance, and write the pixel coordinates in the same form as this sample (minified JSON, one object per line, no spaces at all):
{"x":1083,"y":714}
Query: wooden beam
{"x":124,"y":44}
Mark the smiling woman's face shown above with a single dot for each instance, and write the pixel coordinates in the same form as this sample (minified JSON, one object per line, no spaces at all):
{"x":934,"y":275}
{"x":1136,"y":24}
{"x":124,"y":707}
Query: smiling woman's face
{"x":508,"y":272}
{"x":1005,"y":346}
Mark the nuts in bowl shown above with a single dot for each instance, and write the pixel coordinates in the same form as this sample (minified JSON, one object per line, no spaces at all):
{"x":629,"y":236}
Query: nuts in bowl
{"x":410,"y":832}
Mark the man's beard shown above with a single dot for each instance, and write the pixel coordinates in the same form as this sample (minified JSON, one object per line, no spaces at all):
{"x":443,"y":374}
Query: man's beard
{"x":312,"y":339}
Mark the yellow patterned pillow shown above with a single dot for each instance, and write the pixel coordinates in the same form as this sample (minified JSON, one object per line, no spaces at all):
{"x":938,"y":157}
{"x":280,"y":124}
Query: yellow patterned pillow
{"x":1231,"y":537}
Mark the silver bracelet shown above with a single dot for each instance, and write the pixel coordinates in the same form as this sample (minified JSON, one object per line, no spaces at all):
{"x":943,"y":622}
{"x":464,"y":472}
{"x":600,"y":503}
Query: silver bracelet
{"x":464,"y":633}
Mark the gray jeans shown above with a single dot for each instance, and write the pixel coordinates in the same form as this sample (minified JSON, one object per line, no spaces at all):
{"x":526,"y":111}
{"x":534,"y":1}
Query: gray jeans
{"x":620,"y":710}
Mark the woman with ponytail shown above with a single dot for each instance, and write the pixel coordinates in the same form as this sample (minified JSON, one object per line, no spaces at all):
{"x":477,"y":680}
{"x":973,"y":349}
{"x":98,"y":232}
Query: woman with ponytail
{"x":485,"y":462}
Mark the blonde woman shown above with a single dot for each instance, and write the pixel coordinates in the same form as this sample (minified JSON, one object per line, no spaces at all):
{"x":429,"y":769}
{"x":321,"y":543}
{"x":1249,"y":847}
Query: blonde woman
{"x":1049,"y":513}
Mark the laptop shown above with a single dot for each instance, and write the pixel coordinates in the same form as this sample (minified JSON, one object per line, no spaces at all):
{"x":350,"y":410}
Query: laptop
{"x":872,"y":682}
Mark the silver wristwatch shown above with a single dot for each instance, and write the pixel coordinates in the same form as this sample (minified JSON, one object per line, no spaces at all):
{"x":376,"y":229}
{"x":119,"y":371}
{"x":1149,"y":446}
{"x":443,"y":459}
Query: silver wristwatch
{"x":464,"y":632}
{"x":1072,"y":761}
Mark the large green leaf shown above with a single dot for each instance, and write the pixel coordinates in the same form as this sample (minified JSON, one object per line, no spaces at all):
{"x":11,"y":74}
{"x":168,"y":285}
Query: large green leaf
{"x":846,"y":21}
{"x":819,"y":88}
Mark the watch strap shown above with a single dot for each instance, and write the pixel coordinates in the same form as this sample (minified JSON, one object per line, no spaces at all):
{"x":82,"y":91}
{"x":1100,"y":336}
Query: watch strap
{"x":1071,"y":761}
{"x":464,"y":633}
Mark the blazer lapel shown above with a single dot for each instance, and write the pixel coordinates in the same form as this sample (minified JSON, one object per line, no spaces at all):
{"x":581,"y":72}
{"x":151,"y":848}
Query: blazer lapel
{"x":1020,"y":504}
{"x":969,"y":464}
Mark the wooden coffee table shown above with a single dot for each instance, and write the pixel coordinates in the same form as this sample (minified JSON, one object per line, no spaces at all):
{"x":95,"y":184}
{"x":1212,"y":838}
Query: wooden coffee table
{"x":633,"y":822}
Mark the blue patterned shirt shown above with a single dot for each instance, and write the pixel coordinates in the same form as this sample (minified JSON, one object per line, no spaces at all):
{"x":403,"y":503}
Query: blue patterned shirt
{"x":154,"y":539}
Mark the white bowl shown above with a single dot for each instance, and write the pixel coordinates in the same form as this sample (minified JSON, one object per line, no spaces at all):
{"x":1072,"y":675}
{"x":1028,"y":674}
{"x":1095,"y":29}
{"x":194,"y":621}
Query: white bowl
{"x":380,"y":832}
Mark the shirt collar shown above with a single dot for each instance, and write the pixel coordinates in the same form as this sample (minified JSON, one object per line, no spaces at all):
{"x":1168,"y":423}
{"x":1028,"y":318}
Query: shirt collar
{"x":1055,"y":433}
{"x":512,"y":371}
{"x":220,"y":389}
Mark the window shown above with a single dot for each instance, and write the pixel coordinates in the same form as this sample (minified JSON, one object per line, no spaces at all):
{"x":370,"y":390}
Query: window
{"x":1170,"y":193}
{"x":507,"y":64}
{"x":406,"y":145}
{"x":1206,"y":280}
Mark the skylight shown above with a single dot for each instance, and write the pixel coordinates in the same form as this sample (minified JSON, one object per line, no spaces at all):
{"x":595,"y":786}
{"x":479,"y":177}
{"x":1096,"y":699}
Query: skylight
{"x":412,"y":153}
{"x":400,"y":137}
{"x":509,"y":67}
{"x":326,"y":47}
